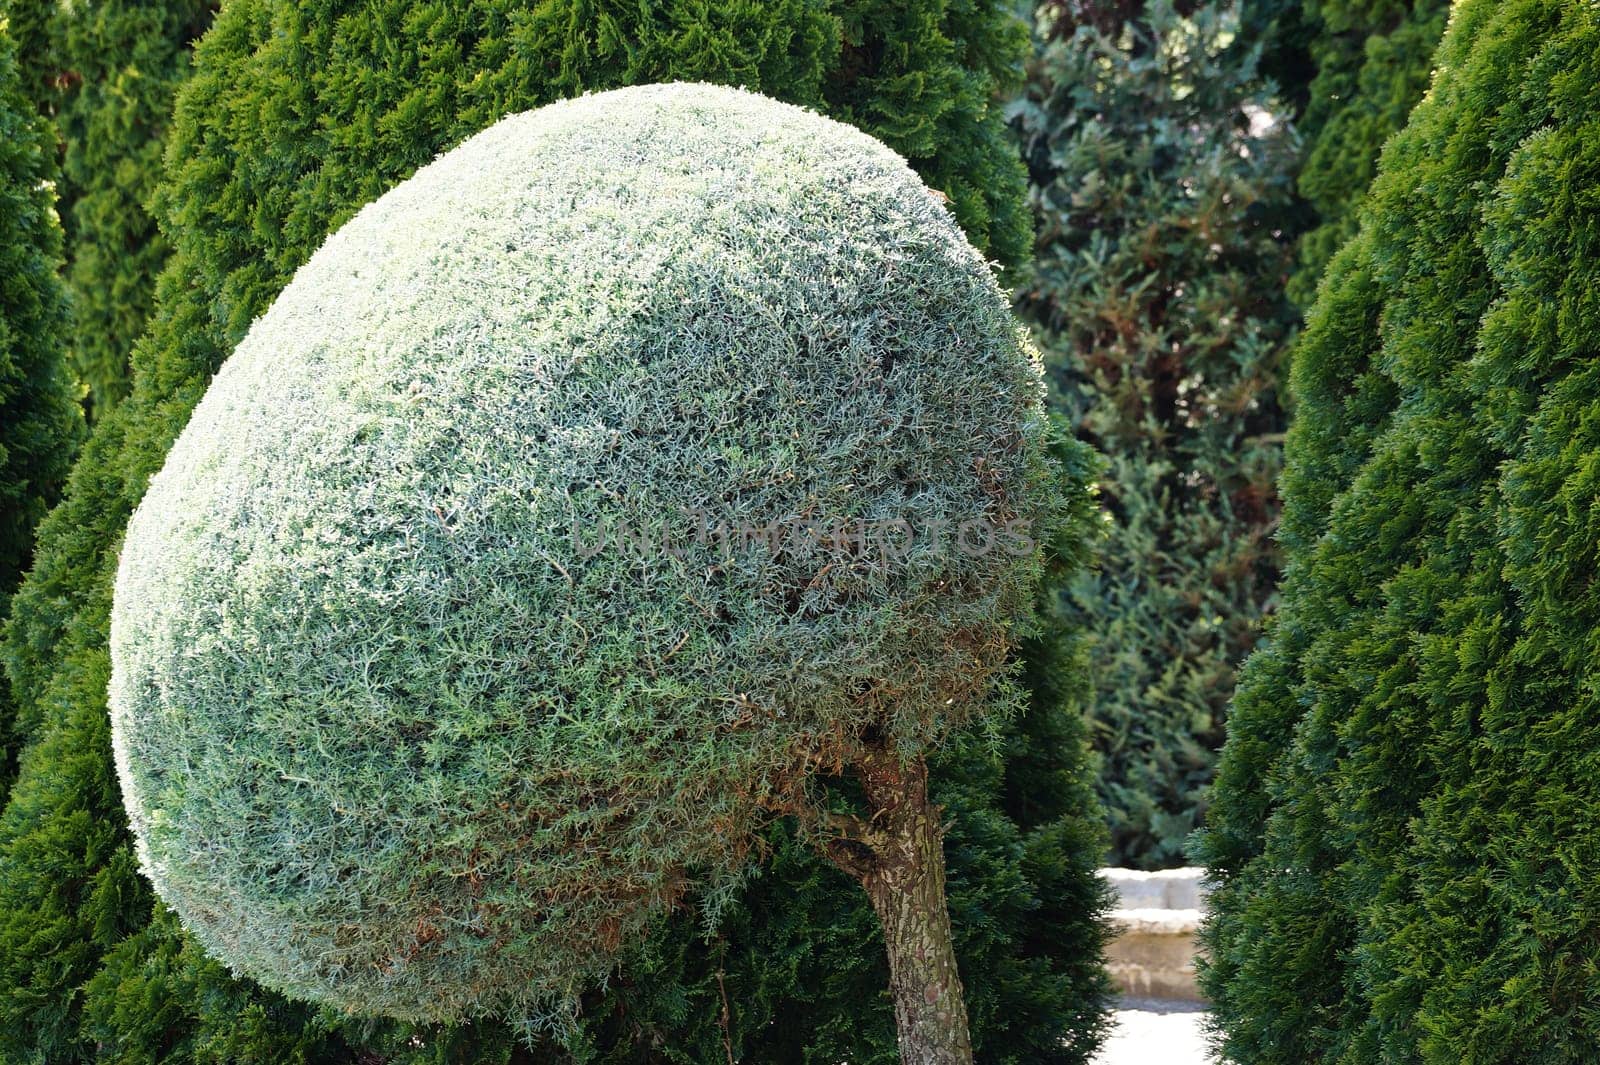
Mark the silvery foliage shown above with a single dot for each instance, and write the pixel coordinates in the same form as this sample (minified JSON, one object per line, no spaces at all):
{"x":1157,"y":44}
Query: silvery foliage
{"x":389,"y":737}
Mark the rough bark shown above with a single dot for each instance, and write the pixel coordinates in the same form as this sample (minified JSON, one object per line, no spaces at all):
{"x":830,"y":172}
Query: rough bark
{"x":897,"y":854}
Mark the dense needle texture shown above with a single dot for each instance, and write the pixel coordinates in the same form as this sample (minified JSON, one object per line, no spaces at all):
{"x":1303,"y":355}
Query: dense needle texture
{"x":1404,"y":825}
{"x":580,"y":499}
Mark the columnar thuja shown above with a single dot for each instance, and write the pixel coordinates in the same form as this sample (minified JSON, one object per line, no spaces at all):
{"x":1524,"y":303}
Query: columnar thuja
{"x":39,"y":420}
{"x":392,"y":739}
{"x":1403,"y":831}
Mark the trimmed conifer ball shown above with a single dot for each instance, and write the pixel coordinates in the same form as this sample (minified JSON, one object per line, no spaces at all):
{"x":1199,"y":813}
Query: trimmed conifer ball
{"x":578,"y":500}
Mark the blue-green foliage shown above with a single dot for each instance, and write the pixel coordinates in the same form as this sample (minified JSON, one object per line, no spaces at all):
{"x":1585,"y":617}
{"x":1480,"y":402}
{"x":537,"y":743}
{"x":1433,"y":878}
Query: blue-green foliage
{"x":1404,"y":825}
{"x":573,"y":508}
{"x":297,"y":115}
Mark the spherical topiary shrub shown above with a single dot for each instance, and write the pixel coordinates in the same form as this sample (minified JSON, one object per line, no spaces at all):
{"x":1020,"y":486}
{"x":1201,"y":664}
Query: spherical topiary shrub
{"x":637,"y":461}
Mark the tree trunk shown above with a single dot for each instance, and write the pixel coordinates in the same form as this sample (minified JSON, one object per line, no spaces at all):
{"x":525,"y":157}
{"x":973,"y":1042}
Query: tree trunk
{"x":898,"y":856}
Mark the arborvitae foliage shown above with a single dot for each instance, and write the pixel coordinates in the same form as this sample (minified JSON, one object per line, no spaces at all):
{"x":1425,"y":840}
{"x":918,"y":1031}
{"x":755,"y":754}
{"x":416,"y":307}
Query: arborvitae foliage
{"x":1352,"y":71}
{"x":105,"y":72}
{"x":39,"y":421}
{"x":29,"y":23}
{"x":120,"y":61}
{"x":1404,"y":826}
{"x":1157,"y":290}
{"x":298,"y":114}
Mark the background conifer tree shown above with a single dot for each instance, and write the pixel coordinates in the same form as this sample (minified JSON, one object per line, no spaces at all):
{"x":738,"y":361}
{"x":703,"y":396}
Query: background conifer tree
{"x":105,"y":71}
{"x":1350,"y":71}
{"x":1404,"y":827}
{"x":297,"y":114}
{"x":121,"y":64}
{"x":39,"y":423}
{"x":29,"y":24}
{"x":1156,"y":173}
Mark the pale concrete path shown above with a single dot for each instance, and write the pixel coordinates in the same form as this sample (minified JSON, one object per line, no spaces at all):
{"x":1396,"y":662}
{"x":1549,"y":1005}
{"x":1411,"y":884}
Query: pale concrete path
{"x":1156,"y":1036}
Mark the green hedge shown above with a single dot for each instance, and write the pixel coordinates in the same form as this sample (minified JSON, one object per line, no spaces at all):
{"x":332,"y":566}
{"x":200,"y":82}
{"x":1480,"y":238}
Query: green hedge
{"x":299,"y":113}
{"x":1404,"y":826}
{"x":1157,"y":291}
{"x":40,"y":426}
{"x":121,"y":63}
{"x":1351,"y":71}
{"x":105,"y":72}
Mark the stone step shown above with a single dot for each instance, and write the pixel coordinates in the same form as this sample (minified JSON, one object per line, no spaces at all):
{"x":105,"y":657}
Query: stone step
{"x":1172,"y":889}
{"x":1151,"y":954}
